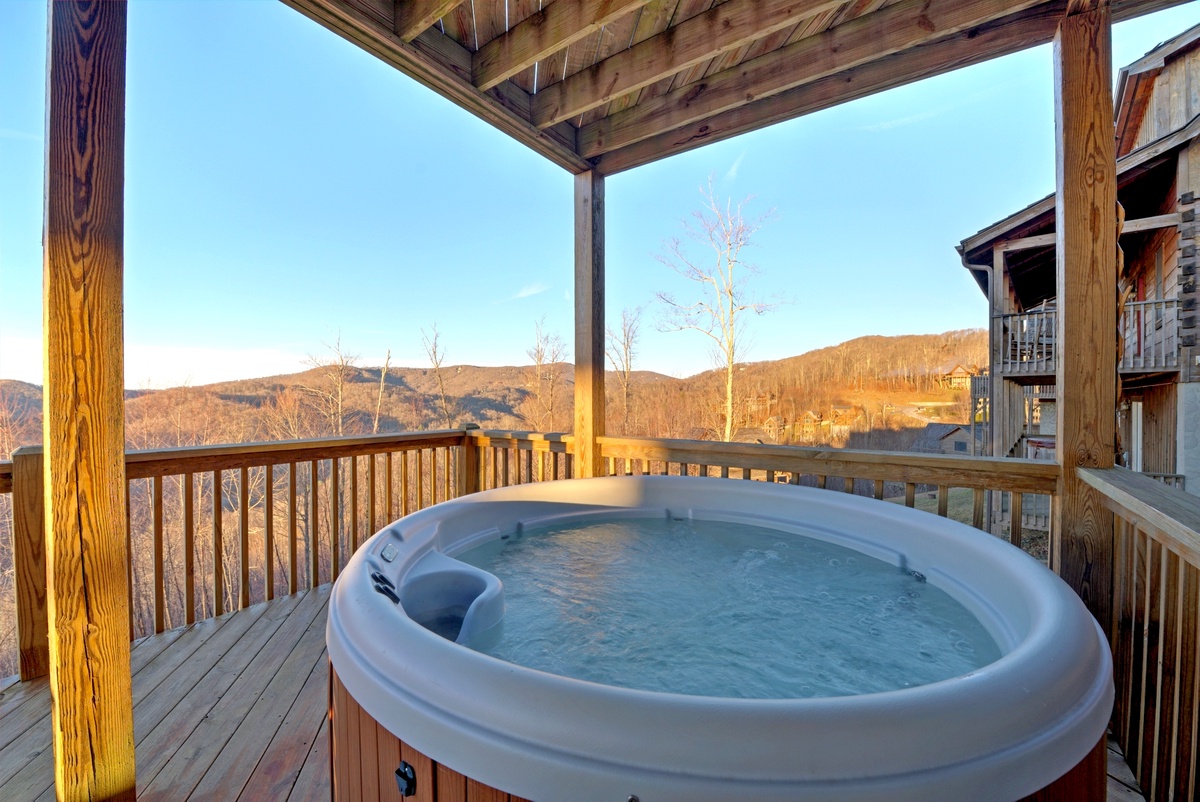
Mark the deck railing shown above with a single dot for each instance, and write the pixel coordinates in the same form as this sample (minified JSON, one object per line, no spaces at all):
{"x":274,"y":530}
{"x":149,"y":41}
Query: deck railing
{"x":1149,"y":333}
{"x":1156,"y":612}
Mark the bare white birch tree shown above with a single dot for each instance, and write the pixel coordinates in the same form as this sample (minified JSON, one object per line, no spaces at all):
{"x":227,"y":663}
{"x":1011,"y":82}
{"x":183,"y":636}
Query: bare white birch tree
{"x":621,"y":348}
{"x":436,"y":356}
{"x":542,"y":411}
{"x":720,"y":310}
{"x":334,"y":373}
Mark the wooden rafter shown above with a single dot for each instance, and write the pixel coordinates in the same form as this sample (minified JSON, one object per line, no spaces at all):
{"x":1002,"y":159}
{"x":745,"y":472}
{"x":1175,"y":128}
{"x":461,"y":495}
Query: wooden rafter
{"x":415,"y":16}
{"x":556,"y":26}
{"x":901,"y":27}
{"x":974,"y":45}
{"x":727,"y":27}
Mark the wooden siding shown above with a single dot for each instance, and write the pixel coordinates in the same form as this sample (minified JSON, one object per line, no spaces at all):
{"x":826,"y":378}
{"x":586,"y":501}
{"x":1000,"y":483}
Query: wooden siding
{"x":1159,"y":428}
{"x":1174,"y":101}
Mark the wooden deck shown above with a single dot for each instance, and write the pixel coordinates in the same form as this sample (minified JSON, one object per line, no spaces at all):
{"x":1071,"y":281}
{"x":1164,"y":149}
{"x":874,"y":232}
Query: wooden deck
{"x":231,"y":708}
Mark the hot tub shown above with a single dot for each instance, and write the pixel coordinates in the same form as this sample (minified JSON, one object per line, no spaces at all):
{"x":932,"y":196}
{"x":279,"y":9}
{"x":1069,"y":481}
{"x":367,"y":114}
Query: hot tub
{"x":1033,"y":719}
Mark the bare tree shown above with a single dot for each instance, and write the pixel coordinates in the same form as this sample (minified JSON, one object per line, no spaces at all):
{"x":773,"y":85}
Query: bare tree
{"x":718,"y":312}
{"x":542,"y":411}
{"x":621,"y":348}
{"x":387,"y":361}
{"x":436,"y":356}
{"x":334,"y":374}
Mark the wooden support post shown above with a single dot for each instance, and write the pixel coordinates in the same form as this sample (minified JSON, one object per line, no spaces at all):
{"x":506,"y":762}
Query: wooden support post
{"x":83,"y":403}
{"x":1086,"y":359}
{"x":29,"y":558}
{"x":469,"y":463}
{"x":589,"y":323}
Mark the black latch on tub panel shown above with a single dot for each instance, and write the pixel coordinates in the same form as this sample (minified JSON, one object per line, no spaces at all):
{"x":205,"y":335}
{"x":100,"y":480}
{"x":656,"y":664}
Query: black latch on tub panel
{"x":406,"y":779}
{"x":386,"y":591}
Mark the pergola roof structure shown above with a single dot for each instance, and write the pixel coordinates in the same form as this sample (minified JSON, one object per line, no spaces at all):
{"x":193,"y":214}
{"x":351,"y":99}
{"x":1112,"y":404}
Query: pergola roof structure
{"x":608,"y":85}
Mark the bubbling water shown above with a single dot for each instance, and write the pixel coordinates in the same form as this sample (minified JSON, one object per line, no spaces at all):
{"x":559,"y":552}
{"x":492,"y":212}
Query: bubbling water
{"x":721,"y":609}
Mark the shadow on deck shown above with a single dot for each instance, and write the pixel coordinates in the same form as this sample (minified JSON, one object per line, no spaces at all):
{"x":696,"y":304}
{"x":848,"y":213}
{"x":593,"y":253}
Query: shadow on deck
{"x":231,"y":708}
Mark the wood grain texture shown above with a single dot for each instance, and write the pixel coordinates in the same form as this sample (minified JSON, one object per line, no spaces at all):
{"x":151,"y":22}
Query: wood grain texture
{"x":83,"y":402}
{"x":29,"y":562}
{"x":589,"y":323}
{"x":1174,"y":517}
{"x":904,"y":26}
{"x":556,"y":26}
{"x":1086,"y":275}
{"x":414,"y":16}
{"x":728,"y":26}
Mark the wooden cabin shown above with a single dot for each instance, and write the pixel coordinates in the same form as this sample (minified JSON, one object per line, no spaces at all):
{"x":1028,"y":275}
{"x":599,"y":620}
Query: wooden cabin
{"x":621,"y":84}
{"x":1157,"y":117}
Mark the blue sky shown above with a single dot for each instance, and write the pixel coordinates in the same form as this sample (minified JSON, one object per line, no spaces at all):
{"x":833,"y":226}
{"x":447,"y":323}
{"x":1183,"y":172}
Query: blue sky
{"x":285,"y":189}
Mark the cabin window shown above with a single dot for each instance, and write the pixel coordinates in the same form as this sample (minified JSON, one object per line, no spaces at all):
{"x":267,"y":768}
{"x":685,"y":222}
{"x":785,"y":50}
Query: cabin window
{"x":960,"y":446}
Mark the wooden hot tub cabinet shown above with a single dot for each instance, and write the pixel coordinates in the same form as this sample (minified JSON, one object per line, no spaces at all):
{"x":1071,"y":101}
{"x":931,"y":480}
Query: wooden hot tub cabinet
{"x":365,"y":757}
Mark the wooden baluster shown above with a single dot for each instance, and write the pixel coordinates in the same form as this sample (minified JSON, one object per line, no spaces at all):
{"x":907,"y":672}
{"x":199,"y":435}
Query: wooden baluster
{"x":390,"y":491}
{"x":404,"y":505}
{"x":878,"y":492}
{"x":160,"y":599}
{"x":314,"y":525}
{"x":504,"y":468}
{"x":29,"y":562}
{"x":724,"y":471}
{"x":420,"y":478}
{"x":1015,"y":523}
{"x":527,"y":458}
{"x":244,"y":532}
{"x":189,"y":548}
{"x":849,"y":488}
{"x":372,"y":518}
{"x":821,"y":481}
{"x":269,"y":531}
{"x":446,"y":473}
{"x":943,"y":500}
{"x":1151,"y":711}
{"x":1168,"y":678}
{"x":129,"y":560}
{"x":293,"y":530}
{"x":335,"y":518}
{"x":910,"y":495}
{"x":1189,"y":683}
{"x":354,"y":542}
{"x":218,"y":547}
{"x":977,"y":507}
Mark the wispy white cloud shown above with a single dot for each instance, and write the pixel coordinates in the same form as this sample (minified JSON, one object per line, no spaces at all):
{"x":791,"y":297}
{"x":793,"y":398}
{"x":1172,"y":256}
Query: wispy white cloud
{"x":529,"y":290}
{"x":732,"y":172}
{"x":898,"y":122}
{"x":24,"y":136}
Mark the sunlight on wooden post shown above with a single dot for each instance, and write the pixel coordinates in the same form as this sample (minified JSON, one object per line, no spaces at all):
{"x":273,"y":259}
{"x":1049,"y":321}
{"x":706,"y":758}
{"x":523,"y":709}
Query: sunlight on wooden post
{"x":589,"y":323}
{"x":29,"y":561}
{"x":83,"y":404}
{"x":1082,"y":533}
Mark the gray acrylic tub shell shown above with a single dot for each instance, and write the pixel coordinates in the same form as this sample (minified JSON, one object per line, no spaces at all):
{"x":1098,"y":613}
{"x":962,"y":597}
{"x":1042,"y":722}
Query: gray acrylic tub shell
{"x":998,"y":733}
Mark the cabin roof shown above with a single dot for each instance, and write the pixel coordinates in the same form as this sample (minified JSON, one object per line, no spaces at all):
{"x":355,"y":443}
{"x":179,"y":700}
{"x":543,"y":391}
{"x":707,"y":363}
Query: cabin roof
{"x":613,"y":84}
{"x":1135,"y":85}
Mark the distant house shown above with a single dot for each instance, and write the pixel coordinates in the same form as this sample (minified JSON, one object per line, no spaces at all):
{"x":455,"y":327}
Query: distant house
{"x":957,"y":377}
{"x":809,"y":425}
{"x":943,"y":438}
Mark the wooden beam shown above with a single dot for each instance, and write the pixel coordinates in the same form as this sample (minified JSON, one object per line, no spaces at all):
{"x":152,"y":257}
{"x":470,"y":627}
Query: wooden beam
{"x":973,"y":46}
{"x":439,"y":63}
{"x":860,"y":41}
{"x":1081,"y":547}
{"x":1130,"y":227}
{"x":83,"y":402}
{"x":413,"y":17}
{"x":727,"y":27}
{"x":543,"y":33}
{"x":589,"y":323}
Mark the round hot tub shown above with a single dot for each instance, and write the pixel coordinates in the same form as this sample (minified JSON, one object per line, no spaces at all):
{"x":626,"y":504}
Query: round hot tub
{"x":411,"y":698}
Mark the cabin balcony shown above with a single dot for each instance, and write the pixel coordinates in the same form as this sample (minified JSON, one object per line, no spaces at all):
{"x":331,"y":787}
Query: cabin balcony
{"x":234,"y":547}
{"x":1149,"y":337}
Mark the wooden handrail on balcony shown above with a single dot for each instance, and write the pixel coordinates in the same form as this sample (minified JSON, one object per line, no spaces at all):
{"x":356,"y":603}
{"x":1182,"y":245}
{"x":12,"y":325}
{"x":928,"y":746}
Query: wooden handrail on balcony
{"x":1027,"y":342}
{"x":1150,"y":335}
{"x":307,"y":503}
{"x":1156,"y":614}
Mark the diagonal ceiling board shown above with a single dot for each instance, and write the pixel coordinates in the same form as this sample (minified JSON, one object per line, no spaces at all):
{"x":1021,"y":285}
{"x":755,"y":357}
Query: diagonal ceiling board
{"x":438,"y":63}
{"x":1001,"y":37}
{"x":415,"y":16}
{"x":654,"y":19}
{"x":853,"y":44}
{"x":556,"y":26}
{"x":725,"y":27}
{"x":490,"y":18}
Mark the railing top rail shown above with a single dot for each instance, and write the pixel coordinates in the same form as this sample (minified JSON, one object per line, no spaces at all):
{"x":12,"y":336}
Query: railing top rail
{"x":1174,"y":516}
{"x":195,"y":459}
{"x":541,"y":441}
{"x":1023,"y":475}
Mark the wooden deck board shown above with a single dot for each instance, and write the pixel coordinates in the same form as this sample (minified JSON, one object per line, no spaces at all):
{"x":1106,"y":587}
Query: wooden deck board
{"x":233,"y":708}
